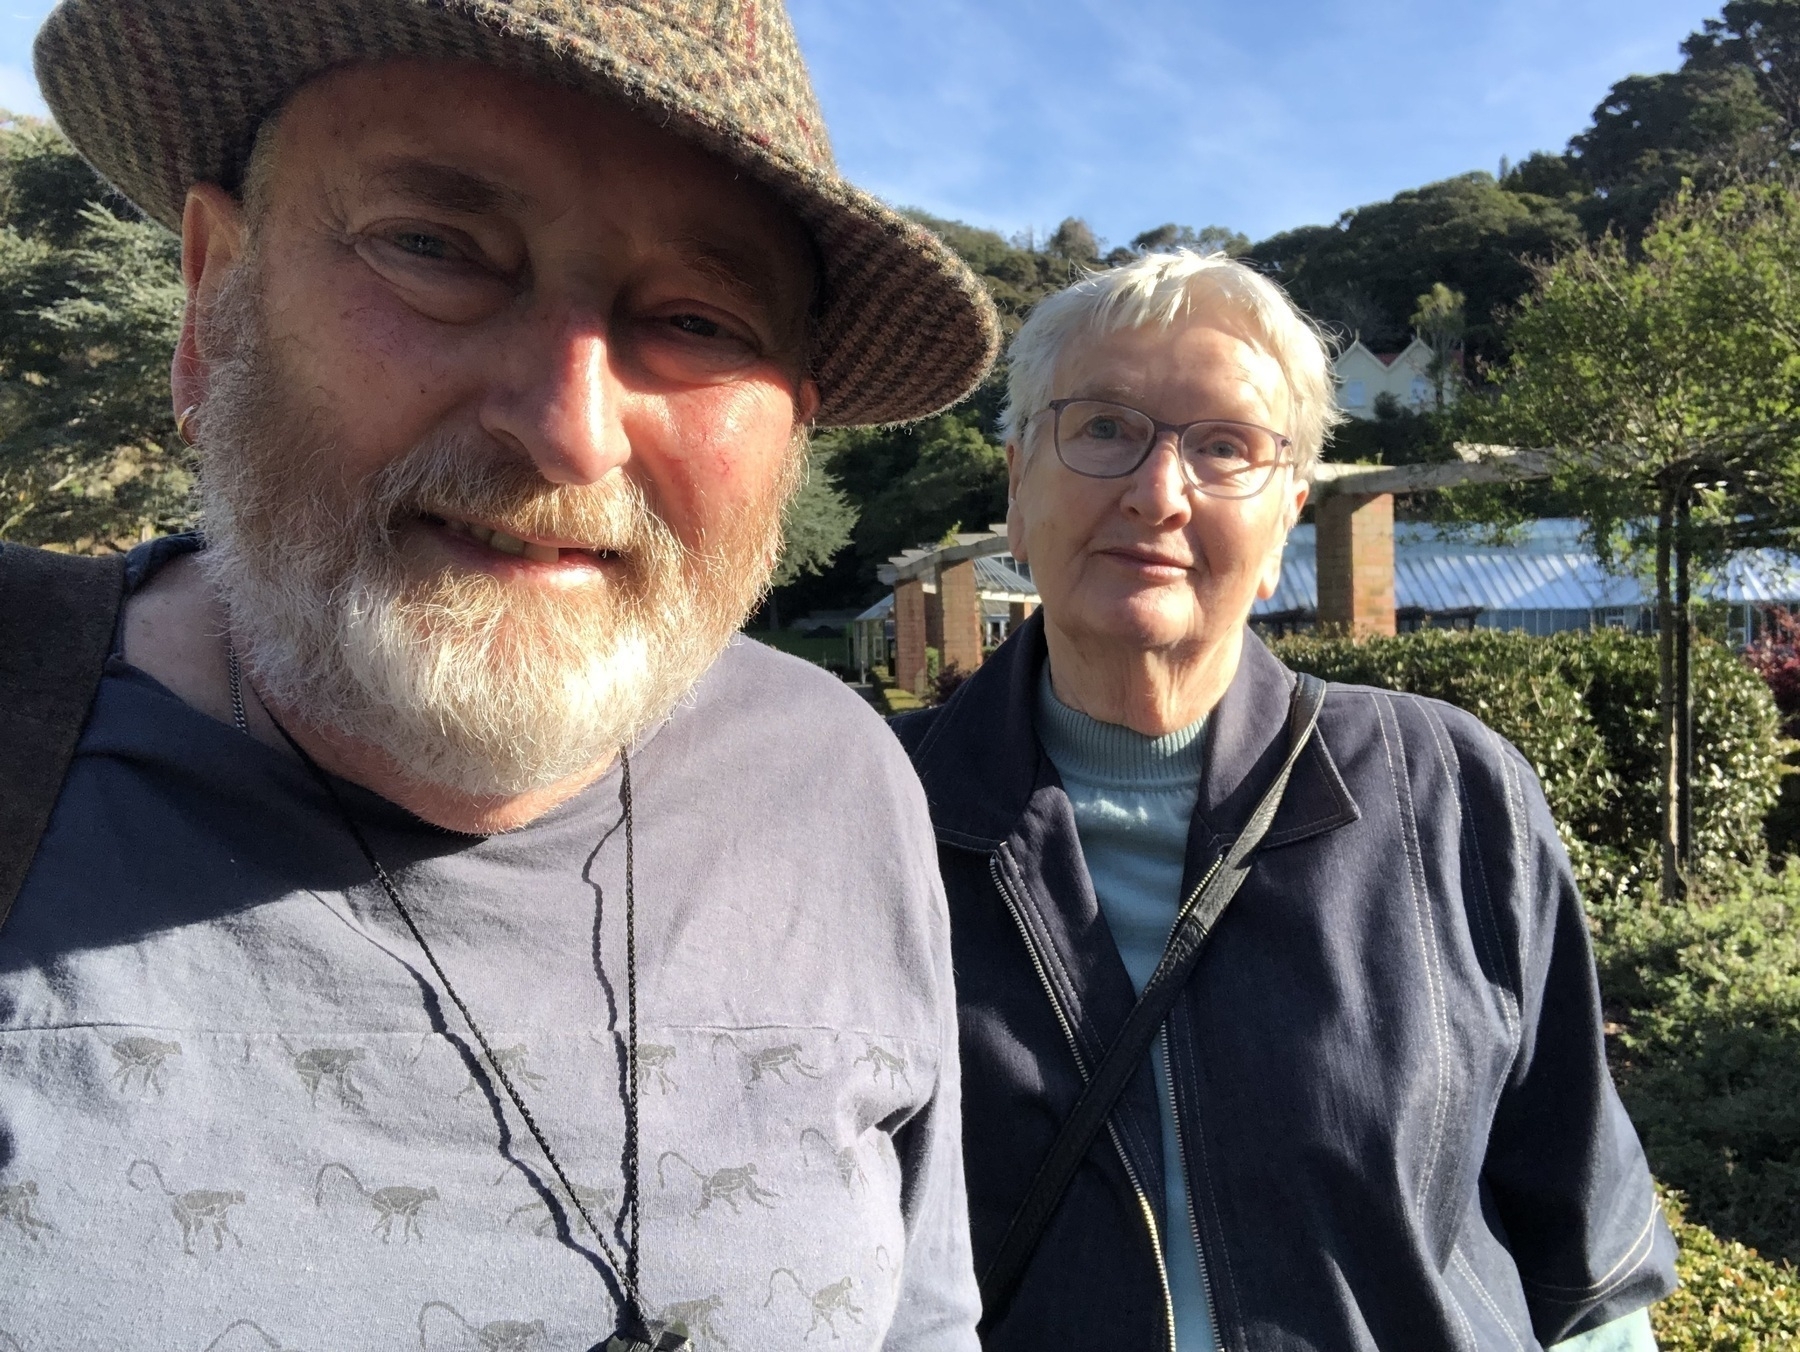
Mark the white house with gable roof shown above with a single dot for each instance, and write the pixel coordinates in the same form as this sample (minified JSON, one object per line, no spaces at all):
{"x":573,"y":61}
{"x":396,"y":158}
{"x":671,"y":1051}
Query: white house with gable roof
{"x":1364,"y":376}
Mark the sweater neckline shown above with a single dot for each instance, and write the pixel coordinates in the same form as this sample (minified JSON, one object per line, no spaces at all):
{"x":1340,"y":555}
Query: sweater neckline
{"x":1111,"y":755}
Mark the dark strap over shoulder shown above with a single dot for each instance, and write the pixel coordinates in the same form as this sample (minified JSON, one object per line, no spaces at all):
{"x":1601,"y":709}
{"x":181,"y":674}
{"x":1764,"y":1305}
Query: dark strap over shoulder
{"x":1186,"y":941}
{"x":57,"y":614}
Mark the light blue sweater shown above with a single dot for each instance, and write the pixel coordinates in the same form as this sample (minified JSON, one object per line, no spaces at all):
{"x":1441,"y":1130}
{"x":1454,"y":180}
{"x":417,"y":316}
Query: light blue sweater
{"x":1134,"y":798}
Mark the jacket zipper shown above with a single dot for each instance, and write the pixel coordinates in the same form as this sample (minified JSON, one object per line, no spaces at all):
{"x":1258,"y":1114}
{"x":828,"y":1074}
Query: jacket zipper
{"x":1143,"y":1198}
{"x":1212,"y":1311}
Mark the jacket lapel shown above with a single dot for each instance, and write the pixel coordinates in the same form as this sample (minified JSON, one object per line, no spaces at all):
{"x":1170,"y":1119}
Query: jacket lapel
{"x":1245,"y":744}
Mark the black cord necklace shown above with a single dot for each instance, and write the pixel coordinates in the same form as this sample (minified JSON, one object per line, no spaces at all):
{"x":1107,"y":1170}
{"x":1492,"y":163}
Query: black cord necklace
{"x":636,"y":1332}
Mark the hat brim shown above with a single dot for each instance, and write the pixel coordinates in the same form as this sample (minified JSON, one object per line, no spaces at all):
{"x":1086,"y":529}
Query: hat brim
{"x":163,"y":94}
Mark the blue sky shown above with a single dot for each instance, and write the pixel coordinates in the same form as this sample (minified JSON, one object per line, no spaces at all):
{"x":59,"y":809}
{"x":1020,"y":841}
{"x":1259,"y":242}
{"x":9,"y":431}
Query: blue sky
{"x":1259,"y":115}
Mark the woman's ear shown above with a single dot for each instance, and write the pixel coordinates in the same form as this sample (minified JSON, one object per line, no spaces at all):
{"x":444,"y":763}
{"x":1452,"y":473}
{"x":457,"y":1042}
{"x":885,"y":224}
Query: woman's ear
{"x":1015,"y":518}
{"x":1270,"y":577}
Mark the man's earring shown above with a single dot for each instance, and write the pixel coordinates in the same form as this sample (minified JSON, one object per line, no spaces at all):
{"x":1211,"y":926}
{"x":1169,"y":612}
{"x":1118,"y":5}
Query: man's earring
{"x":181,"y":424}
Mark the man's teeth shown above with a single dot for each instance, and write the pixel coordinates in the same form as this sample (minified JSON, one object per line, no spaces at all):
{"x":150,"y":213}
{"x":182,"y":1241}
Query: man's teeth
{"x":504,"y":543}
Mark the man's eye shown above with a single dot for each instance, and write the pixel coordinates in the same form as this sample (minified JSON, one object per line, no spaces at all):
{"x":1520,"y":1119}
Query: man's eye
{"x":699,"y":326}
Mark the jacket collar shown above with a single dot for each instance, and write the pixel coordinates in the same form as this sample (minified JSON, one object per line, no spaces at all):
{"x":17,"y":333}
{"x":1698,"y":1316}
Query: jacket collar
{"x":981,"y":761}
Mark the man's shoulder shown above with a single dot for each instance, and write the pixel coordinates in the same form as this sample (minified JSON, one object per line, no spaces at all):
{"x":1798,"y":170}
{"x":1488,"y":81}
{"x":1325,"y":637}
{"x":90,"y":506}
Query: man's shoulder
{"x":768,"y":695}
{"x":914,"y":727}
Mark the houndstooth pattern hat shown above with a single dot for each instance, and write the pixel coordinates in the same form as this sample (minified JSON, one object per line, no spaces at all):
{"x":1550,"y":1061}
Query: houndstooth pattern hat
{"x":161,"y":94}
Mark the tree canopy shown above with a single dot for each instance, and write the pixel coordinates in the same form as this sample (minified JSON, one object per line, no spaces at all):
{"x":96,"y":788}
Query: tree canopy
{"x":1365,"y":273}
{"x":1666,"y":382}
{"x":88,"y":453}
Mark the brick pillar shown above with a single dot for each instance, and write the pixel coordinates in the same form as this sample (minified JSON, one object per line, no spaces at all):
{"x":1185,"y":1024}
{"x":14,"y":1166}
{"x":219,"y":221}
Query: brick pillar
{"x":961,"y":606}
{"x":909,"y":635}
{"x":934,"y":619}
{"x":1355,"y":563}
{"x":1019,"y":612}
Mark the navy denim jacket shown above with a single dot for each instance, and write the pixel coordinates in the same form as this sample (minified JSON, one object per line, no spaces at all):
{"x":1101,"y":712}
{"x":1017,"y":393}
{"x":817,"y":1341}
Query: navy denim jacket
{"x":1390,"y":1081}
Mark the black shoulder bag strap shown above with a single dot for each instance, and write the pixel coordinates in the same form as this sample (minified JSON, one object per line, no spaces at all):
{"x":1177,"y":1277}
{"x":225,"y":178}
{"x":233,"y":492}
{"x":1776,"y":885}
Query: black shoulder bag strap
{"x":57,"y":615}
{"x":1127,"y":1052}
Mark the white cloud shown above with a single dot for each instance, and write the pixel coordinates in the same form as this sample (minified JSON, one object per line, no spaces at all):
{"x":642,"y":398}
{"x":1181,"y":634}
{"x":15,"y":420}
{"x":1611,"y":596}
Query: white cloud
{"x":19,"y":92}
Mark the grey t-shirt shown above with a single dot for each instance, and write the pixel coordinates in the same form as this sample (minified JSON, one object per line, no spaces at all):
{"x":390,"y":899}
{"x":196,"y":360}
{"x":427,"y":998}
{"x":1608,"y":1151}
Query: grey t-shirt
{"x":237,"y":1111}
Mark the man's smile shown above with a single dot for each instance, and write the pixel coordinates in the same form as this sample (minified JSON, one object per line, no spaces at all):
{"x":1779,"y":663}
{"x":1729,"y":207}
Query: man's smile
{"x":468,"y":536}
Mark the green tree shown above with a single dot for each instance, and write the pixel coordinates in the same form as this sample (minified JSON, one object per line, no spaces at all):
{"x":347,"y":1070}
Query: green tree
{"x":1543,"y":174}
{"x":1366,"y":272}
{"x":90,"y":306}
{"x":1440,"y":321}
{"x":951,"y":475}
{"x":1016,"y":274}
{"x":1206,"y":240}
{"x":1075,"y":244}
{"x":1652,"y":133}
{"x":817,"y":523}
{"x":1761,"y":37}
{"x":1668,"y":381}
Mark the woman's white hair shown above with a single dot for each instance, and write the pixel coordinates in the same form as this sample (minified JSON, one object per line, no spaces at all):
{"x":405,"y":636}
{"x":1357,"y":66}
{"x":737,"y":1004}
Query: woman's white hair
{"x":1156,"y":291}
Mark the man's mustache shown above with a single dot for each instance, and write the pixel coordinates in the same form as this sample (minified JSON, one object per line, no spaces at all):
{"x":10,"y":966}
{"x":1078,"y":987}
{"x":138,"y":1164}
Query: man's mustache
{"x":457,"y":479}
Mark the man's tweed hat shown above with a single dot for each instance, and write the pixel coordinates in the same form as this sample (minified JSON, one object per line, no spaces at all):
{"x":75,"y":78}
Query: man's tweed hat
{"x":161,"y":94}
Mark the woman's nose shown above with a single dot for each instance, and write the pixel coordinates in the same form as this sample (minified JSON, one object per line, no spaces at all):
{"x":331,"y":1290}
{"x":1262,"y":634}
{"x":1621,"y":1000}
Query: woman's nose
{"x":1160,"y":490}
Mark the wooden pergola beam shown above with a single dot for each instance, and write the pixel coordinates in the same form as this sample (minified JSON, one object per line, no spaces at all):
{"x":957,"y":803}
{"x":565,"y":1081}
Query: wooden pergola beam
{"x":1476,"y":465}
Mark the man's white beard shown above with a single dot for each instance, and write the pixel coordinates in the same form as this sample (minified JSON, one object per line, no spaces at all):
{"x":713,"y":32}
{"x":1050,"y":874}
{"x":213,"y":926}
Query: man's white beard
{"x":464,"y":682}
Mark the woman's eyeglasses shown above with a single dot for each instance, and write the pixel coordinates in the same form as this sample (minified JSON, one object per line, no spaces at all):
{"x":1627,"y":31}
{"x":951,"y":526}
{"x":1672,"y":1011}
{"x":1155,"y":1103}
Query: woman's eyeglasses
{"x":1221,"y":459}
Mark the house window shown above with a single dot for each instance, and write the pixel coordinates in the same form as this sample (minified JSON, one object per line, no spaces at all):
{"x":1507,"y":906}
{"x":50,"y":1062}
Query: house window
{"x":1356,"y":394}
{"x":1421,"y":390}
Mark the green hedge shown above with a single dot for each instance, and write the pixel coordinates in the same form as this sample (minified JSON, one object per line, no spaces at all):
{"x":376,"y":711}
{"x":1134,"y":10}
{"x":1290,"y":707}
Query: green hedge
{"x":1731,"y":1298}
{"x":1581,"y":707}
{"x":1704,"y":1006}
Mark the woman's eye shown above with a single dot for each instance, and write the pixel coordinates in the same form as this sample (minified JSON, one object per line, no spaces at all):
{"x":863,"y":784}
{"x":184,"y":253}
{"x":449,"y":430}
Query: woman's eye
{"x":421,"y":245}
{"x":1222,"y":450}
{"x":1103,"y":429}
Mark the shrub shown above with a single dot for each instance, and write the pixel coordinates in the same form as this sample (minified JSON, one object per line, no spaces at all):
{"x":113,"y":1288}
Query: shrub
{"x":1581,"y":708}
{"x":1737,"y":739}
{"x":1776,"y":658}
{"x":947,"y":682}
{"x":1731,"y":1298}
{"x":1703,"y":1003}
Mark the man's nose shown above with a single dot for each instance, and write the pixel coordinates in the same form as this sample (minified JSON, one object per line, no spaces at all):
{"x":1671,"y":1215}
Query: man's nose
{"x":560,"y":404}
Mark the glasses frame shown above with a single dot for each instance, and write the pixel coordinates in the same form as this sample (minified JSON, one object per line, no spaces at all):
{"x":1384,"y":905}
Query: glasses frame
{"x":1283,"y":445}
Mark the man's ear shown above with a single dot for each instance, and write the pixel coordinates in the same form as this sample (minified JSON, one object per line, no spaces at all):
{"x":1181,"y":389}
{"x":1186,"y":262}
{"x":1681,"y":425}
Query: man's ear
{"x":806,"y":402}
{"x":212,"y":244}
{"x":1015,"y":519}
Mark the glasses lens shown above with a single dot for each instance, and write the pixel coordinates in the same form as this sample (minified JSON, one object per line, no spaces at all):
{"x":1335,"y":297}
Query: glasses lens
{"x":1104,"y":440}
{"x":1230,"y":460}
